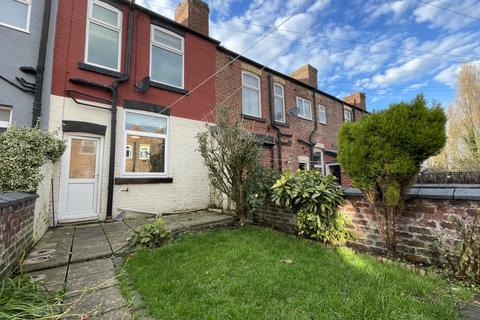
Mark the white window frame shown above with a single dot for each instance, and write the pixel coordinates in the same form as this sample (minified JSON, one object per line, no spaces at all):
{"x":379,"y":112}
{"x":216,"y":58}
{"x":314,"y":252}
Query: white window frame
{"x":259,"y":89}
{"x":303,"y":102}
{"x":347,"y":110}
{"x":304,"y":160}
{"x":5,"y":124}
{"x":166,"y":47}
{"x":145,"y":134}
{"x":322,"y":110}
{"x":29,"y":11}
{"x":128,"y":151}
{"x":91,"y":19}
{"x":321,"y":166}
{"x":283,"y":101}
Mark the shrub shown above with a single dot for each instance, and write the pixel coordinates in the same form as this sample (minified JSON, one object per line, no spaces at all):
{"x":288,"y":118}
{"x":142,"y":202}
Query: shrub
{"x":383,"y":152}
{"x":231,"y":156}
{"x":150,"y":235}
{"x":316,"y":199}
{"x":22,"y":152}
{"x":259,"y":187}
{"x":22,"y":298}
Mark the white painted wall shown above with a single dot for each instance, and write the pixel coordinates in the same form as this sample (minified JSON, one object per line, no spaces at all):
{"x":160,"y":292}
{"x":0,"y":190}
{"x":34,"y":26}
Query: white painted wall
{"x":190,"y":188}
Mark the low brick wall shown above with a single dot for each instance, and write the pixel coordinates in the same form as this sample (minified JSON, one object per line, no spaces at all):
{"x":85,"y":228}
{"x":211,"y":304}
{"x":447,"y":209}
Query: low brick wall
{"x":16,"y":228}
{"x":426,"y":218}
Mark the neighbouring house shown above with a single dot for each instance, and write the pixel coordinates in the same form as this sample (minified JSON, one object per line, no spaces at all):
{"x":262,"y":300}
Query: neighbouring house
{"x":129,"y":93}
{"x":297,"y":122}
{"x":26,"y":29}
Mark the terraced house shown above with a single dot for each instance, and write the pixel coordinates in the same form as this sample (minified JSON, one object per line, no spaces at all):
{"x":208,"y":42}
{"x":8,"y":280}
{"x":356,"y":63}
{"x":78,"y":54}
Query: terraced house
{"x":130,"y":91}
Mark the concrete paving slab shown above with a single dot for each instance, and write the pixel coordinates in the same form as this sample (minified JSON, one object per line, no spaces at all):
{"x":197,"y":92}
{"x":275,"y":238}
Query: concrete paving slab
{"x":119,"y":314}
{"x":95,"y":303}
{"x":471,"y":312}
{"x":86,"y":268}
{"x":53,"y":279}
{"x":89,"y":252}
{"x":138,"y":222}
{"x":105,"y":279}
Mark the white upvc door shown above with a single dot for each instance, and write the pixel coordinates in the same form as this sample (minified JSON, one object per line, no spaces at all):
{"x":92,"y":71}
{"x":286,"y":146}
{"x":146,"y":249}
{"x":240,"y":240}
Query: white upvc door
{"x":80,"y":178}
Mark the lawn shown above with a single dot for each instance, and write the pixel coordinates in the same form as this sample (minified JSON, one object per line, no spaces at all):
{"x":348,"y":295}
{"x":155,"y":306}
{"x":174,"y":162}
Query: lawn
{"x":239,"y":274}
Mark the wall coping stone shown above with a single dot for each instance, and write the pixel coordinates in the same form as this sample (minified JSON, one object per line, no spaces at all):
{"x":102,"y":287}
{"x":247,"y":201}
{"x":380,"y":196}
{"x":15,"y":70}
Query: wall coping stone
{"x":12,"y":198}
{"x":434,"y":191}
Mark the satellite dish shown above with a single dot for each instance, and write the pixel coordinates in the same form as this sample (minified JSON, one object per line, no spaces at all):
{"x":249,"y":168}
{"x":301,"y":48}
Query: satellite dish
{"x":293,"y":112}
{"x":143,"y":85}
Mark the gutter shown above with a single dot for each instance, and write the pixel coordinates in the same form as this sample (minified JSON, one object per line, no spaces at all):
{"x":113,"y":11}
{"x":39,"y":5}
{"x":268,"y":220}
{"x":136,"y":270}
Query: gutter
{"x":113,"y":123}
{"x":42,"y":53}
{"x":272,"y":122}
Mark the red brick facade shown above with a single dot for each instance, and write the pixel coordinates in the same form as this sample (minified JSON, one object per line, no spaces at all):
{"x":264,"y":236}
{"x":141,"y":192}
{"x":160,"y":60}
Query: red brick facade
{"x":199,"y":61}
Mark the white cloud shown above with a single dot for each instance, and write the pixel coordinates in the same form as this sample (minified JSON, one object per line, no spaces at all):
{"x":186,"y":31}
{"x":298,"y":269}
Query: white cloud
{"x":448,"y":76}
{"x":440,"y":18}
{"x":318,"y":5}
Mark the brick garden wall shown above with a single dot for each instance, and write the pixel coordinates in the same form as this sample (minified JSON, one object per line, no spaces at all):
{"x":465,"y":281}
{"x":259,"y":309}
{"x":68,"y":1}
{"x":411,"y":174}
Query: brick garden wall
{"x":425,"y":219}
{"x":16,"y":228}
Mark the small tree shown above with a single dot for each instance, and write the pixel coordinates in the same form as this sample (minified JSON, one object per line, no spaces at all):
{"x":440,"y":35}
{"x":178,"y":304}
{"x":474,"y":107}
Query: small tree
{"x":230,"y":156}
{"x":383,"y":153}
{"x":22,"y":152}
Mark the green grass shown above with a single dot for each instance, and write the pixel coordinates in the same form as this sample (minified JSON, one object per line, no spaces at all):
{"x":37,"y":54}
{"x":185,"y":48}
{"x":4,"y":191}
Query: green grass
{"x":238,"y":274}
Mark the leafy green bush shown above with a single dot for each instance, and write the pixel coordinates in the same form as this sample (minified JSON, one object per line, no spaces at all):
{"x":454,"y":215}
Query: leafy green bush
{"x":22,"y":152}
{"x":259,"y":187}
{"x":22,"y":298}
{"x":150,"y":235}
{"x":316,"y":199}
{"x":383,"y":152}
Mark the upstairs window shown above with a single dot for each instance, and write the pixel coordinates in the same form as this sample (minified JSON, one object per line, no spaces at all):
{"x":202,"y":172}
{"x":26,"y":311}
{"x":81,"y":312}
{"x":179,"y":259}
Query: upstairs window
{"x":166,"y":57}
{"x":5,"y":118}
{"x":146,"y":138}
{"x":251,"y":95}
{"x":304,"y":108}
{"x":279,"y":101}
{"x":322,"y":114}
{"x":347,"y":114}
{"x":104,"y":34}
{"x":15,"y":14}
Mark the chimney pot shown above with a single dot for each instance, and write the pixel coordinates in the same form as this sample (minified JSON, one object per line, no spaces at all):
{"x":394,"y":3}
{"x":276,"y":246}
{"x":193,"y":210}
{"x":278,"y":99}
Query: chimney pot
{"x":193,"y":14}
{"x":307,"y":74}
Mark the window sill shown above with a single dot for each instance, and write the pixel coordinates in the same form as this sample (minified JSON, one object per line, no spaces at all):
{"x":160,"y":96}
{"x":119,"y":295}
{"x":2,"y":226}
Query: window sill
{"x":92,"y":68}
{"x":304,"y":118}
{"x":282,"y":124}
{"x":143,"y":180}
{"x":247,"y":117}
{"x":324,"y":123}
{"x":159,"y":85}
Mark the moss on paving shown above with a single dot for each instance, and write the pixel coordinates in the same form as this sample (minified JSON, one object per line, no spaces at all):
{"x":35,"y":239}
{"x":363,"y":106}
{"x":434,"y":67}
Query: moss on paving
{"x":239,"y":274}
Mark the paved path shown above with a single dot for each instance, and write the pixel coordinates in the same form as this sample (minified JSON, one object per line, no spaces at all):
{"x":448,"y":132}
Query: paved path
{"x":78,"y":259}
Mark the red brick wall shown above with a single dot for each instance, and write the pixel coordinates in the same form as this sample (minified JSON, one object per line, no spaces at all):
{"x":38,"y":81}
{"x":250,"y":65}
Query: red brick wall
{"x":418,"y":227}
{"x":16,"y":229}
{"x":70,"y":50}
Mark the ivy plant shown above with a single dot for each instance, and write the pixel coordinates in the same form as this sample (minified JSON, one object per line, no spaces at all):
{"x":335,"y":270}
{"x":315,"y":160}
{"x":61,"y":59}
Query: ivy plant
{"x":23,"y":151}
{"x":316,"y":199}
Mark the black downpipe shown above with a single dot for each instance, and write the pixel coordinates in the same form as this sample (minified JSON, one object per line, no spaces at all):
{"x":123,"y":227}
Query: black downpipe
{"x":310,"y":137}
{"x":113,"y":124}
{"x":272,"y":121}
{"x":42,"y":53}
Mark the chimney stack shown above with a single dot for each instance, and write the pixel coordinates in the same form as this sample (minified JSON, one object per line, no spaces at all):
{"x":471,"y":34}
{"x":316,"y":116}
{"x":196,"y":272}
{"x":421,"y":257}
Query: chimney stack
{"x":307,"y":74}
{"x":193,"y":14}
{"x":357,"y":99}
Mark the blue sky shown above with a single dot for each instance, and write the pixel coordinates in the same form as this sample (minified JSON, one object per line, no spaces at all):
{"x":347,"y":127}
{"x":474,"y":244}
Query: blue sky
{"x":391,"y":50}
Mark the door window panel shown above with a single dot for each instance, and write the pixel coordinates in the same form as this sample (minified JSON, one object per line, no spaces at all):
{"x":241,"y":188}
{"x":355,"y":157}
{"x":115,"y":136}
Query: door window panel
{"x":83,"y":158}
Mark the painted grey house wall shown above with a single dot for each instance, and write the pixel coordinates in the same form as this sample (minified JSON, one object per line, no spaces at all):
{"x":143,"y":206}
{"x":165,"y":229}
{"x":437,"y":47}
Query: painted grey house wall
{"x":18,"y":48}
